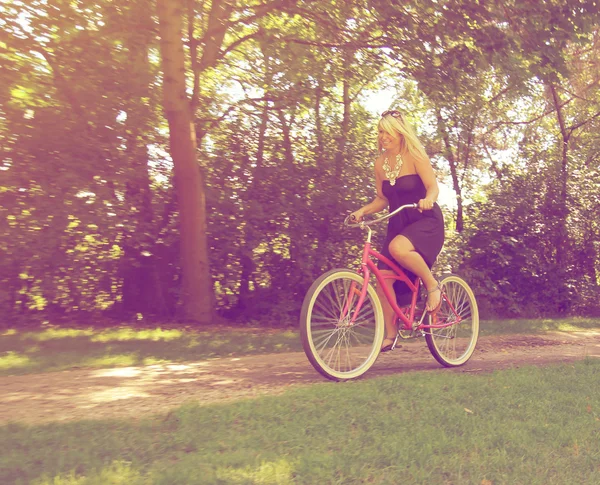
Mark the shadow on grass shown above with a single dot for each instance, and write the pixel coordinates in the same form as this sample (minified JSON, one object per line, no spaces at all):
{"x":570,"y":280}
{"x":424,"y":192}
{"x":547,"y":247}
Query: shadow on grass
{"x":55,"y":349}
{"x":165,"y":450}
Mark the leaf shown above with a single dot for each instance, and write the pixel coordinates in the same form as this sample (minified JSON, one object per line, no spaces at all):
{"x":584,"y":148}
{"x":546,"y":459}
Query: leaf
{"x":468,"y":411}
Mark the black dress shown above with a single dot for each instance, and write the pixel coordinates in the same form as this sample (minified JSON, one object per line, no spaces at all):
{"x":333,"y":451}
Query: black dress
{"x":425,"y":230}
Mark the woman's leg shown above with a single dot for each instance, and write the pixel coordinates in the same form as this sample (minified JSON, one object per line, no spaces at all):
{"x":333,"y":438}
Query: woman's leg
{"x":403,"y":251}
{"x":389,"y":315}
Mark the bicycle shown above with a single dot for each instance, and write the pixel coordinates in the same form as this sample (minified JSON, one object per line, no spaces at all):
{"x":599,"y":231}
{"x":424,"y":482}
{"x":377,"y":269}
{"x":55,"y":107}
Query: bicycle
{"x":341,"y":322}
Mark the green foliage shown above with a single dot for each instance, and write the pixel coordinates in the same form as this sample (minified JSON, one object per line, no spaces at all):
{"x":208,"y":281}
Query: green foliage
{"x":89,"y":220}
{"x":510,"y":253}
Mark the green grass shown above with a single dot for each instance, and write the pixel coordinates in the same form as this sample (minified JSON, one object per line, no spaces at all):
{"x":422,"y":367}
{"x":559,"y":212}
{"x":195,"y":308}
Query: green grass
{"x":520,"y":426}
{"x":55,"y":349}
{"x":538,"y":326}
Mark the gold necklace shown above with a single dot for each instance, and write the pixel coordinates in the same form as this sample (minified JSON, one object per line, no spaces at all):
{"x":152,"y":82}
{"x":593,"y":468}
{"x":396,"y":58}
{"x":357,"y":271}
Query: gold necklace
{"x":392,"y":175}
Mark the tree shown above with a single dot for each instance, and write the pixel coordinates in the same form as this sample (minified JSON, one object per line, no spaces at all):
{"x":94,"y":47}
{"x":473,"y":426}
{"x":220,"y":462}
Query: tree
{"x":196,"y":292}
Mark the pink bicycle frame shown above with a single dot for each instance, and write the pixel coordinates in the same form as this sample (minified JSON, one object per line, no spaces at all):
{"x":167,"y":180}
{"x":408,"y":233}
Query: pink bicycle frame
{"x":407,"y":319}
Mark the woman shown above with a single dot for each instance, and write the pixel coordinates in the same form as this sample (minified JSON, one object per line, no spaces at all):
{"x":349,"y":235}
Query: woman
{"x":404,"y":175}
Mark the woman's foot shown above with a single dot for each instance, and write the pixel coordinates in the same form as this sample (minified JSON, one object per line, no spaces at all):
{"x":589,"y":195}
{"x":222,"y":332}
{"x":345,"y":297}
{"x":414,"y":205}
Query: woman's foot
{"x":388,"y":344}
{"x":434,"y":299}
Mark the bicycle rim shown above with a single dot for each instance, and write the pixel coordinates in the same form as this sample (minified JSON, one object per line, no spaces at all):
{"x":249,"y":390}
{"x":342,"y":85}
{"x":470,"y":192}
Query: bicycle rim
{"x":453,"y":346}
{"x":336,"y":347}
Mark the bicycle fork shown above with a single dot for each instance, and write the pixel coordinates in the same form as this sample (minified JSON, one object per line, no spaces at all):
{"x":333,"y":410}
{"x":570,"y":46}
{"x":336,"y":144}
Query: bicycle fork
{"x":353,"y":293}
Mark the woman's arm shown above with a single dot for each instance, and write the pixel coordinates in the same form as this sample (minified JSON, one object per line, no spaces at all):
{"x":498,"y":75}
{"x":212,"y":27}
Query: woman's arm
{"x":379,"y":203}
{"x":425,"y":171}
{"x":376,"y":205}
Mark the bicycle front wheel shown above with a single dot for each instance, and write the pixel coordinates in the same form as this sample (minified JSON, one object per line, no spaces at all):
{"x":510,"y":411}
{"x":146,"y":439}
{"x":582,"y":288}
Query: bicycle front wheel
{"x":340,"y":342}
{"x":453,"y":345}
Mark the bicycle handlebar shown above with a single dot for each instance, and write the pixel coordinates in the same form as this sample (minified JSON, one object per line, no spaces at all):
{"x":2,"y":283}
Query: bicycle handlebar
{"x":364,"y":224}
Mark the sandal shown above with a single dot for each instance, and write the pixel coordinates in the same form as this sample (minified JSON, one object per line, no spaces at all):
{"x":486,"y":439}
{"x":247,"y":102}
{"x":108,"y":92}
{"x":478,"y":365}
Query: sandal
{"x":437,"y":307}
{"x":388,"y":347}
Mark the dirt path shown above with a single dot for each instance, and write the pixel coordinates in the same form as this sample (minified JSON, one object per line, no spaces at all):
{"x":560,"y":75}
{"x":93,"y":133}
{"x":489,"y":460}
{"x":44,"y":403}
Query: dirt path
{"x":140,"y":391}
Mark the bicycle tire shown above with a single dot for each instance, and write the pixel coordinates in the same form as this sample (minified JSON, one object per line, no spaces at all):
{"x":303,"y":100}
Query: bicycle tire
{"x":453,"y":346}
{"x":354,"y":347}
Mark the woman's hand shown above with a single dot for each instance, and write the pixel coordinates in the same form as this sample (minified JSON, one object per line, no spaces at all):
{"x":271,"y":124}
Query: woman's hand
{"x":425,"y":205}
{"x":357,"y":216}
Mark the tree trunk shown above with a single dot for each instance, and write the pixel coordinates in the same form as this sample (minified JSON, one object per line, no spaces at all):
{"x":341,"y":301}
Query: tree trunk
{"x":294,"y":229}
{"x":142,"y":291}
{"x":343,"y":137}
{"x":322,"y":179}
{"x":197,"y":290}
{"x":453,"y":163}
{"x":562,"y":212}
{"x":253,"y":195}
{"x":320,"y":151}
{"x":334,"y":185}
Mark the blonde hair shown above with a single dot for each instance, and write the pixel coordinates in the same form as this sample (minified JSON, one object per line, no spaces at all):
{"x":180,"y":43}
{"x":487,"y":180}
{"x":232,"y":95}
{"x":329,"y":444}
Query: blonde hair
{"x":398,"y":127}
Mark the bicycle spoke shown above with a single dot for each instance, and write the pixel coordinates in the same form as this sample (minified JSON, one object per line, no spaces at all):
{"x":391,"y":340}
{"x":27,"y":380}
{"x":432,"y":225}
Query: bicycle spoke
{"x":332,"y":309}
{"x":366,"y":312}
{"x":342,"y":297}
{"x":322,"y":342}
{"x":321,"y":321}
{"x":454,"y":344}
{"x":338,"y":347}
{"x":348,"y":360}
{"x":360,"y":338}
{"x":341,"y":340}
{"x":331,"y":352}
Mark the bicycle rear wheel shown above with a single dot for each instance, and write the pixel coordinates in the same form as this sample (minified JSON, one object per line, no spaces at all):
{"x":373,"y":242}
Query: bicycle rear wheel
{"x":453,"y":346}
{"x":337,"y":348}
